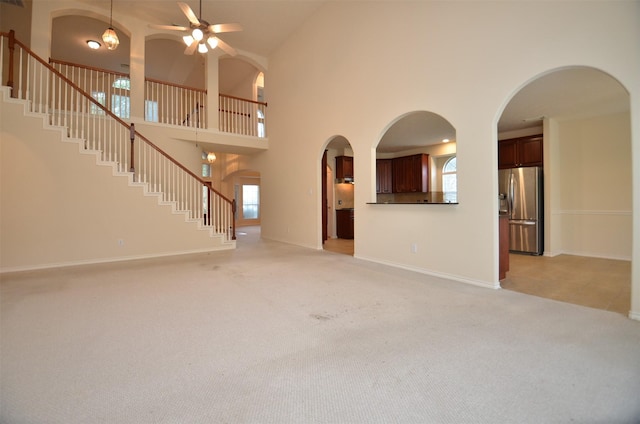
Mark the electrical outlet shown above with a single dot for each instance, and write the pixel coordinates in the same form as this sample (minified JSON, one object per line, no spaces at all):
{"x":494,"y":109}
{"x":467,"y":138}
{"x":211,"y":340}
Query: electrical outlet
{"x":414,"y":247}
{"x":120,"y":242}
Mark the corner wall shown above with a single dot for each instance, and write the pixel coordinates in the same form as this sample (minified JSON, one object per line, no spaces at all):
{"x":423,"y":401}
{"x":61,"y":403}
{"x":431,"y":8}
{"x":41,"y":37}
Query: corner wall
{"x":595,"y":192}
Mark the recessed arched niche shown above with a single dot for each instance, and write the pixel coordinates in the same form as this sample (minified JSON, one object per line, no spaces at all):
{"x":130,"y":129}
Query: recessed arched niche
{"x":416,"y":161}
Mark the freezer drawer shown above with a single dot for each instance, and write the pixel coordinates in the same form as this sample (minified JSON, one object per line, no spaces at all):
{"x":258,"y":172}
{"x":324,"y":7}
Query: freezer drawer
{"x":525,"y":237}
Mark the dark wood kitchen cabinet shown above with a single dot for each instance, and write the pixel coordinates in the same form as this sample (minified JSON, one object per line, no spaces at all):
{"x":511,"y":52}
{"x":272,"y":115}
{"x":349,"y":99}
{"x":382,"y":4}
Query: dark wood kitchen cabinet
{"x":344,"y":223}
{"x":344,"y":167}
{"x":411,"y":174}
{"x":503,"y":237}
{"x":384,"y":179}
{"x":523,"y":151}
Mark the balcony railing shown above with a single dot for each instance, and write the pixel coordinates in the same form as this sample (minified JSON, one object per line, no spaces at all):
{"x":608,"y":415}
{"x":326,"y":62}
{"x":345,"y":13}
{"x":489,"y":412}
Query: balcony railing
{"x":242,"y":116}
{"x":50,"y":92}
{"x":175,"y":104}
{"x":165,"y":102}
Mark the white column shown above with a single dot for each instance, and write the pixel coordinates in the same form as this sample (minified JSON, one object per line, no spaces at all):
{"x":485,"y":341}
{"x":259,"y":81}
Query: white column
{"x":41,"y":22}
{"x":136,"y":73}
{"x":211,"y":83}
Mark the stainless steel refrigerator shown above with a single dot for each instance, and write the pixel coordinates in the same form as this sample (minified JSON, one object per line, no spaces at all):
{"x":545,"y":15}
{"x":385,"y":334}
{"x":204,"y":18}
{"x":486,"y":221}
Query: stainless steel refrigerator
{"x":520,"y":192}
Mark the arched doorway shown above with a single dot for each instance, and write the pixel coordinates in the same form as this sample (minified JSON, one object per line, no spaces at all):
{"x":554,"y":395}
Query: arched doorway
{"x":583,"y":116}
{"x":338,"y":208}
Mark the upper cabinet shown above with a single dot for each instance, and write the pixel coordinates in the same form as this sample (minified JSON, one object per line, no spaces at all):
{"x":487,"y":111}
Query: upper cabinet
{"x":410,"y":174}
{"x":523,"y":151}
{"x":344,"y":167}
{"x":384,"y":179}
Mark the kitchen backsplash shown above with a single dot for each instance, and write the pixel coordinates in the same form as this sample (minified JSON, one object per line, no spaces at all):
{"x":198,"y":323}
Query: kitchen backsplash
{"x":344,"y":196}
{"x":431,"y":197}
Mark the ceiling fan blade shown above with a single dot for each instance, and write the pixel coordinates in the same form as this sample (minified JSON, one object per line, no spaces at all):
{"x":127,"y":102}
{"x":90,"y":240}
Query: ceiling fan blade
{"x":189,"y":13}
{"x":218,"y":28}
{"x":227,"y":48}
{"x":169,"y":27}
{"x":191,"y":48}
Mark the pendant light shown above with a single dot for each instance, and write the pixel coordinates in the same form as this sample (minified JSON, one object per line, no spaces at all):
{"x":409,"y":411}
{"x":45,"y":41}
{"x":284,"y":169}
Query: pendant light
{"x":110,"y":37}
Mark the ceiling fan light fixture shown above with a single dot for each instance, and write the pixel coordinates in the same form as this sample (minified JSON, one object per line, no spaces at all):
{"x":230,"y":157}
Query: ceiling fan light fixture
{"x":188,"y":40}
{"x":197,"y":34}
{"x":202,"y":48}
{"x":213,"y":42}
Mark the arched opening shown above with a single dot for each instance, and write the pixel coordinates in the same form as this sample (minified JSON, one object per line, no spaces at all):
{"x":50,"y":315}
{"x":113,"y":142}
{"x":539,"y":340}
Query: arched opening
{"x":582,"y":116}
{"x":70,"y":46}
{"x":411,"y":158}
{"x":238,"y":78}
{"x":82,"y":56}
{"x":338,"y":207}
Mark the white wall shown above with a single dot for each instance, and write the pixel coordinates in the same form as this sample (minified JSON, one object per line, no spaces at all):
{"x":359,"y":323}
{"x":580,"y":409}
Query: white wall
{"x":595,"y":187}
{"x":461,"y":60}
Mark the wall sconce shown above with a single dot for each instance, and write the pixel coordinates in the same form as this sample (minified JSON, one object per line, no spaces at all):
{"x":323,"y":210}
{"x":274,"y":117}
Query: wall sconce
{"x":211,"y":157}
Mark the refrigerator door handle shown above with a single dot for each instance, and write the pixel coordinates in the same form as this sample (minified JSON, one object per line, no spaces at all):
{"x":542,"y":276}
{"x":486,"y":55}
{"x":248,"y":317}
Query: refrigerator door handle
{"x":511,"y":193}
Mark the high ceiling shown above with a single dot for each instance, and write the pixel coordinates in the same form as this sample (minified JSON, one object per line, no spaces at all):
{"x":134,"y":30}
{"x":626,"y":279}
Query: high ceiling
{"x":563,"y":94}
{"x":266,"y":23}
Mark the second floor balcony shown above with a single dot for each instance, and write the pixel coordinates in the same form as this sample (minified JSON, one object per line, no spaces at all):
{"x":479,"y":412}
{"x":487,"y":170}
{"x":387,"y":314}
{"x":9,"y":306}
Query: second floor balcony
{"x":168,"y":103}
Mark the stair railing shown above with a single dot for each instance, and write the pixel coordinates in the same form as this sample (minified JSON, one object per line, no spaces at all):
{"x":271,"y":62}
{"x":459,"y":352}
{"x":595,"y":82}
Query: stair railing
{"x":49,"y":92}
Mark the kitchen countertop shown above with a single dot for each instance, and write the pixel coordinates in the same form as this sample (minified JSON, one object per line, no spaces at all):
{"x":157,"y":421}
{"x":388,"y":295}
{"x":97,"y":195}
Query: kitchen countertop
{"x":412,"y":203}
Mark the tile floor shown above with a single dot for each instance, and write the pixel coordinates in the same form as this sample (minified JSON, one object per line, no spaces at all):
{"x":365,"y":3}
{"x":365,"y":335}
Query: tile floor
{"x":593,"y":282}
{"x":337,"y":245}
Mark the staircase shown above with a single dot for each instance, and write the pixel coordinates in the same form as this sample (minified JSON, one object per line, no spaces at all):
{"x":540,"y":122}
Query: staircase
{"x":80,"y":188}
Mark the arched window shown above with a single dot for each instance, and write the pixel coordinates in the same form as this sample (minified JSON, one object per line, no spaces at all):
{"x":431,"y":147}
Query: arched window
{"x":450,"y":180}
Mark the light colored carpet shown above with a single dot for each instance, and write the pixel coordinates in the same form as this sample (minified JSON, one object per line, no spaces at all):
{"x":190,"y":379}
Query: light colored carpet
{"x":273,"y":333}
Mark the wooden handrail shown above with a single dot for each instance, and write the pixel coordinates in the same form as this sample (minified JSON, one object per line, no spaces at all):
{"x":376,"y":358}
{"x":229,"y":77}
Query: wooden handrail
{"x":89,"y":68}
{"x":244,"y":100}
{"x":68,"y":81}
{"x":15,"y":41}
{"x":170,"y":84}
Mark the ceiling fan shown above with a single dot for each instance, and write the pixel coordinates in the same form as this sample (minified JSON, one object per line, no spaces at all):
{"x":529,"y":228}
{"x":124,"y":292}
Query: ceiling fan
{"x":201,"y":33}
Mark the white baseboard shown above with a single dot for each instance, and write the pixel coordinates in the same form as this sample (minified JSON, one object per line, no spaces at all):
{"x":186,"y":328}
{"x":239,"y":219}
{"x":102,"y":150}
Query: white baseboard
{"x":224,"y":246}
{"x":457,"y":278}
{"x":586,"y":254}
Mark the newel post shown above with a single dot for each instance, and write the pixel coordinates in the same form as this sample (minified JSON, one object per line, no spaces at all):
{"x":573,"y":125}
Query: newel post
{"x":233,"y":220}
{"x":209,"y":220}
{"x":132,"y":136}
{"x":12,"y":47}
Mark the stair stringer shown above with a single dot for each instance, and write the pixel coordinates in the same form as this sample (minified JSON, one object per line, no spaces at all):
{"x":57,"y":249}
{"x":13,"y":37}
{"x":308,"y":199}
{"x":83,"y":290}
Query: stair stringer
{"x":25,"y":247}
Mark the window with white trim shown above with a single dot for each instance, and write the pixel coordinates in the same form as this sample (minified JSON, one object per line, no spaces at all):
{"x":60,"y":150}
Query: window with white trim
{"x":450,"y":180}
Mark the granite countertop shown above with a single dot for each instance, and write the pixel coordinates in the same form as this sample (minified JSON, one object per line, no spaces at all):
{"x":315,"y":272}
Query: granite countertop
{"x":412,"y":203}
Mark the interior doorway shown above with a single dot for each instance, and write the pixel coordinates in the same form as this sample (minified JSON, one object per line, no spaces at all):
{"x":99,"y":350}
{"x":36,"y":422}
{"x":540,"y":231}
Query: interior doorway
{"x":586,"y":155}
{"x":246,"y":192}
{"x":337,"y":202}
